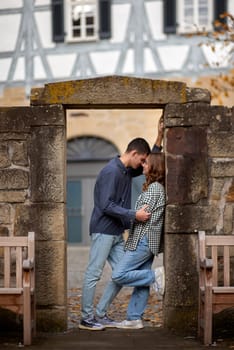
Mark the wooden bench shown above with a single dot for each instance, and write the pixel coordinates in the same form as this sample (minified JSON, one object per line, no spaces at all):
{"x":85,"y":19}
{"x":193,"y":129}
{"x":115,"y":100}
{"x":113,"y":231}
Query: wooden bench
{"x":216,"y":286}
{"x":17,"y":282}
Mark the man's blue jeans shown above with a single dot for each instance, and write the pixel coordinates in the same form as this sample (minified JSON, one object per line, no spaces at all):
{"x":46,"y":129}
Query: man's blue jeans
{"x":134,"y":270}
{"x":103,"y":248}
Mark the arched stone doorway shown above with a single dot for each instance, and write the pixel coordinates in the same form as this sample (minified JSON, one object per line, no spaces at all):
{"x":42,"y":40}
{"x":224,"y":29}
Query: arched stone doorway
{"x":125,"y":93}
{"x":199,"y":160}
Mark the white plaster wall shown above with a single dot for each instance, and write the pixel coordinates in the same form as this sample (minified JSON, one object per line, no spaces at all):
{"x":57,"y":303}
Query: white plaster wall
{"x":9,"y":25}
{"x":120,"y":14}
{"x":154,"y":11}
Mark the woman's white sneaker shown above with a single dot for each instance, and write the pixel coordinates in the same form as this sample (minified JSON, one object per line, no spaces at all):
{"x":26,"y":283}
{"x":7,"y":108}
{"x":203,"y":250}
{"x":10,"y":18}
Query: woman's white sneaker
{"x":159,"y":284}
{"x":133,"y":324}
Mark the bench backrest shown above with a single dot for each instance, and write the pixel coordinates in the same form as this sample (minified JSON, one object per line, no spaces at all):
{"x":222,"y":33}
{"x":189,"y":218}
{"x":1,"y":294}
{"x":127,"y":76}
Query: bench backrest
{"x":13,"y":250}
{"x":219,"y":248}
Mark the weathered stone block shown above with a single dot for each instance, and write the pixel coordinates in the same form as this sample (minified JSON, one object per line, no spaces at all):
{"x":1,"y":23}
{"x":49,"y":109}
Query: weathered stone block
{"x":51,"y":274}
{"x":13,"y":179}
{"x":13,"y":196}
{"x":198,"y":95}
{"x":221,"y":145}
{"x":218,"y":118}
{"x":183,"y":320}
{"x":48,"y":164}
{"x":5,"y":214}
{"x":190,"y":218}
{"x":14,"y":119}
{"x":183,"y":140}
{"x":181,"y":297}
{"x":187,"y":180}
{"x":52,"y":319}
{"x":20,"y":119}
{"x":216,"y":186}
{"x":222,"y":167}
{"x":229,"y":195}
{"x":47,"y":220}
{"x":222,"y":190}
{"x":114,"y":90}
{"x":13,"y":136}
{"x":221,"y":119}
{"x":18,"y":150}
{"x":228,"y":219}
{"x":189,"y":114}
{"x":47,"y":115}
{"x":4,"y":155}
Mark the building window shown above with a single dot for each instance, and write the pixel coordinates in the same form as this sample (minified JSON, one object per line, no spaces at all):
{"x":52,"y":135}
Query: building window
{"x":189,"y":16}
{"x":195,"y":15}
{"x":81,"y":20}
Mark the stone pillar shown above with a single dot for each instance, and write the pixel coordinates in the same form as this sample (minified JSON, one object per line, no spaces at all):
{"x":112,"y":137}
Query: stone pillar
{"x":33,"y":183}
{"x":197,"y":145}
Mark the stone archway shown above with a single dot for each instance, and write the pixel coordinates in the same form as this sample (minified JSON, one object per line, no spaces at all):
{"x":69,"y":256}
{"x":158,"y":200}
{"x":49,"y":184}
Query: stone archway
{"x":124,"y":92}
{"x":199,"y":149}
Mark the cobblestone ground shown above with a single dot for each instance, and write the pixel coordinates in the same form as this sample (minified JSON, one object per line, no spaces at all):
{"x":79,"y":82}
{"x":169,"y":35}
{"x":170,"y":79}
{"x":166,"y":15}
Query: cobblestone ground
{"x":117,"y":311}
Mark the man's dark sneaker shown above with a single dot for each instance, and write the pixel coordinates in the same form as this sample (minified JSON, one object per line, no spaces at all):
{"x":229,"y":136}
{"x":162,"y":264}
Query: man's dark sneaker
{"x":107,"y":322}
{"x":91,"y":324}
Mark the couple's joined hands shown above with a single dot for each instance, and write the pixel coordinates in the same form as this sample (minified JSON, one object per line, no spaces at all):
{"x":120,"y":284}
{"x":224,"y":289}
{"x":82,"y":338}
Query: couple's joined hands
{"x":142,"y":214}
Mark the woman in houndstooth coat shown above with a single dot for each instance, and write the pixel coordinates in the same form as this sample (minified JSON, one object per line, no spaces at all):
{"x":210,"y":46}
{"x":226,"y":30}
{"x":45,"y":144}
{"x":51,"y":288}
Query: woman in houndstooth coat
{"x":143,"y":244}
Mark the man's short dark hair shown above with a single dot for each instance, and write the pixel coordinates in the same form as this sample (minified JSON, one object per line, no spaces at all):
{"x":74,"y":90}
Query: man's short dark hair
{"x":140,"y":145}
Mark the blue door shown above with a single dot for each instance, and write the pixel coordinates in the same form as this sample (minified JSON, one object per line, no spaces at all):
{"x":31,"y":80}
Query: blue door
{"x":74,"y":211}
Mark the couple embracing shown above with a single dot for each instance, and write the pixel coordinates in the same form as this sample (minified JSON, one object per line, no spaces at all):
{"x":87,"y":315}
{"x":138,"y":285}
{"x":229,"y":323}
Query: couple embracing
{"x":130,"y":261}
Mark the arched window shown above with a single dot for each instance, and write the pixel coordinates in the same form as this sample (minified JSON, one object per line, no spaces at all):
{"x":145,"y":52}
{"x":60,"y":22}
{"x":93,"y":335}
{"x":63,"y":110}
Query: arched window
{"x":86,"y":156}
{"x":89,"y":148}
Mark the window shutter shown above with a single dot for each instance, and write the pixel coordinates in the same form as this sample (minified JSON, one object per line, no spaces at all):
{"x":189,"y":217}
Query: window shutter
{"x":219,"y":8}
{"x":169,"y":10}
{"x":57,"y":20}
{"x":104,"y":19}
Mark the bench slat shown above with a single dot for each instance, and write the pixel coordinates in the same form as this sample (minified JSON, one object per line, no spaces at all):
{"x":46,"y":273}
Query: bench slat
{"x":11,"y":290}
{"x":226,"y":266}
{"x":220,"y":290}
{"x":219,"y":240}
{"x":7,"y":267}
{"x":14,"y":241}
{"x":214,"y":256}
{"x":19,"y":271}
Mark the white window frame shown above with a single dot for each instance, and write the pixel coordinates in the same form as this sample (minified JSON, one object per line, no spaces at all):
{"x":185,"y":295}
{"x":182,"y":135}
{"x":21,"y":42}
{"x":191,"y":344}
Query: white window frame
{"x":69,"y":4}
{"x":193,"y":24}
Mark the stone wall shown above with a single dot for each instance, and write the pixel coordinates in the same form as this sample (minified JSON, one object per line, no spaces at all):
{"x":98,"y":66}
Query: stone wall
{"x":200,"y":191}
{"x":32,"y":196}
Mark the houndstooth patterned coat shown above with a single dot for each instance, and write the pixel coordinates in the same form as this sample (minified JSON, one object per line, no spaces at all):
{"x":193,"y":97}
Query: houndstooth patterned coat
{"x":154,"y":197}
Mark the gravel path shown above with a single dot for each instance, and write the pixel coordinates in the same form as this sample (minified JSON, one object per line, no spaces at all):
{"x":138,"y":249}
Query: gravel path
{"x":152,"y":316}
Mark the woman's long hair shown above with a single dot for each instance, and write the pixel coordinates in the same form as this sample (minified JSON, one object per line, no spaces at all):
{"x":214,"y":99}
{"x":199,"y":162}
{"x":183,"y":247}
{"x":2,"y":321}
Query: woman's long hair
{"x":156,"y":163}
